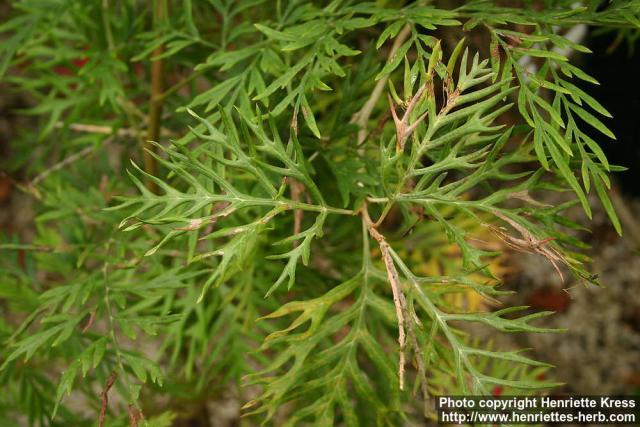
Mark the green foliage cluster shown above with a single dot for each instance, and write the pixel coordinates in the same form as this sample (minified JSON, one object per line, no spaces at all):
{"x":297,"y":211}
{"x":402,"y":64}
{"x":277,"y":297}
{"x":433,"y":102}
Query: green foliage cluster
{"x":307,"y":151}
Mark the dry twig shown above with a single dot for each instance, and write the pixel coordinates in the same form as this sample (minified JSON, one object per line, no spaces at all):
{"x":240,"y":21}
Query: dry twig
{"x":403,"y":128}
{"x":66,"y":162}
{"x":155,"y":103}
{"x":135,"y":415}
{"x":528,"y":243}
{"x":92,"y":318}
{"x":104,"y":396}
{"x":297,"y":188}
{"x":406,"y":323}
{"x":394,"y":280}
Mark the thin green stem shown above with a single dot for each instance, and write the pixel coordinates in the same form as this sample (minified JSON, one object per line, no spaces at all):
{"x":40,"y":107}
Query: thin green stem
{"x":107,"y":26}
{"x":111,"y":322}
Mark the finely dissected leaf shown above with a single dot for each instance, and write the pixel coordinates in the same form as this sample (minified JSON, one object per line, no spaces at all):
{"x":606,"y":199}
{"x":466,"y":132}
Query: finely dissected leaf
{"x":395,"y":60}
{"x":592,"y":120}
{"x":66,"y":383}
{"x":332,"y":369}
{"x":596,"y":149}
{"x":213,"y":96}
{"x":307,"y":113}
{"x":28,"y":346}
{"x":570,"y":70}
{"x":568,"y":175}
{"x":543,"y":54}
{"x":389,"y":32}
{"x":580,"y":94}
{"x":606,"y":202}
{"x":284,"y":79}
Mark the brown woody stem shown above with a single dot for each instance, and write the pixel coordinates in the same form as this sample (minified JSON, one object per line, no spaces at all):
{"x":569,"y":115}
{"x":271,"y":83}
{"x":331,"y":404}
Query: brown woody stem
{"x":156,"y":101}
{"x":104,"y":398}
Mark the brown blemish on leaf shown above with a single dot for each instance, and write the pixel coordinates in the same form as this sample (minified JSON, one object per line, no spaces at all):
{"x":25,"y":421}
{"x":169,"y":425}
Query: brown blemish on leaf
{"x":92,"y":318}
{"x":495,"y":52}
{"x":513,"y":40}
{"x":294,"y":121}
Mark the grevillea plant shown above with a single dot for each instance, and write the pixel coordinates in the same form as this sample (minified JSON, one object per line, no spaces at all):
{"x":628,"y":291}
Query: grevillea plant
{"x":318,"y":191}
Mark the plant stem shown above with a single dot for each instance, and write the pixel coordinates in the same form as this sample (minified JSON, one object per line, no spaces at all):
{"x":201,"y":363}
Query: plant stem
{"x":182,"y":83}
{"x":111,"y":321}
{"x":67,"y":161}
{"x":155,"y":102}
{"x":399,"y":300}
{"x":107,"y":25}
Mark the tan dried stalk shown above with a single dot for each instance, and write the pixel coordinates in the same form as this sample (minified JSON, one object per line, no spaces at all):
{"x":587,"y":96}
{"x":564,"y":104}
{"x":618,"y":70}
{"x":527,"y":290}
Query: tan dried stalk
{"x":406,"y":323}
{"x":394,"y":280}
{"x":104,"y":398}
{"x":529,"y":243}
{"x":403,"y":128}
{"x":155,"y":103}
{"x":297,"y":190}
